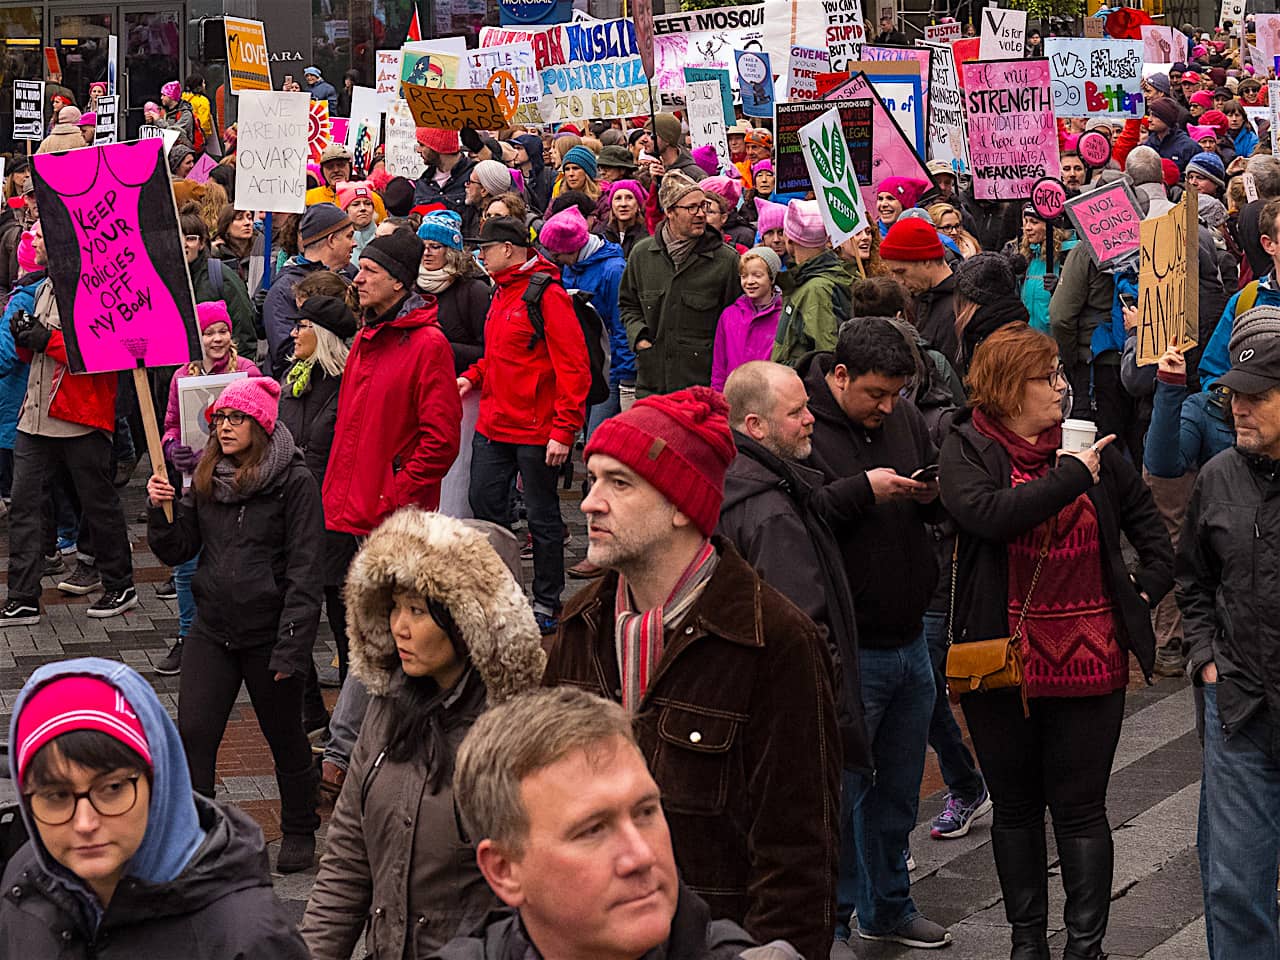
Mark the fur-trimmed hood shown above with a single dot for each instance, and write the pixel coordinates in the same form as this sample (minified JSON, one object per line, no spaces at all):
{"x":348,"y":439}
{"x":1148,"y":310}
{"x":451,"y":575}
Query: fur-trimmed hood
{"x":450,"y":562}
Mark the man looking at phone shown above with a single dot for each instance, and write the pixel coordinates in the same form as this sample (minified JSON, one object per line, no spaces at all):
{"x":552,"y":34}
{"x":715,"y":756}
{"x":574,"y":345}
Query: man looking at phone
{"x":862,"y":431}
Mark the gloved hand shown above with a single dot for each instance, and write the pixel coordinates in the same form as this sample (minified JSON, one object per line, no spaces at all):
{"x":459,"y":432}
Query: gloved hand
{"x":31,"y":334}
{"x":1050,"y":282}
{"x":184,"y":458}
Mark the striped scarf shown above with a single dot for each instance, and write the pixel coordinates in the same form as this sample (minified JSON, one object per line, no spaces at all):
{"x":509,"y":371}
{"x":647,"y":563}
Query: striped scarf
{"x":639,"y":635}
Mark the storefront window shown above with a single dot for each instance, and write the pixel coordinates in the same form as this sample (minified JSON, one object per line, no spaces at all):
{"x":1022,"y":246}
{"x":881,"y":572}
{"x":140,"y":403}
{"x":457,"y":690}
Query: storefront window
{"x":21,"y":29}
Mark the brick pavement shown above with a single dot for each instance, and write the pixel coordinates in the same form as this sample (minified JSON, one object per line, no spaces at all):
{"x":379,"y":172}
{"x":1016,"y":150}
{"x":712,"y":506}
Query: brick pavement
{"x":1156,"y":911}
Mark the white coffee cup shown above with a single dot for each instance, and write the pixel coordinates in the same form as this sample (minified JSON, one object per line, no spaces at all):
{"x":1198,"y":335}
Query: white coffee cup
{"x":1078,"y":435}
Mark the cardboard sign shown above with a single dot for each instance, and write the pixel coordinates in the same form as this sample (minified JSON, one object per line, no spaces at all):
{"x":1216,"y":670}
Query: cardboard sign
{"x":805,"y":64}
{"x":948,"y":123}
{"x":1013,"y":137}
{"x":386,"y":74}
{"x":248,"y":64}
{"x":272,"y":152}
{"x":706,"y":117}
{"x":402,"y":157}
{"x":755,"y":81}
{"x":1096,"y":78}
{"x":1095,"y":28}
{"x":116,"y":257}
{"x":28,"y":109}
{"x":1168,"y":282}
{"x":1163,"y":45}
{"x":1003,"y":35}
{"x":943,"y":32}
{"x":454,"y":109}
{"x":104,"y":130}
{"x":845,"y":33}
{"x":1108,"y":223}
{"x":319,"y":129}
{"x":831,"y":171}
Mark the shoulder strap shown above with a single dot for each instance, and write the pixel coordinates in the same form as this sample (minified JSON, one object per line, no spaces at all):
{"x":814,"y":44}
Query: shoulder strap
{"x":1248,"y":298}
{"x":1035,"y":577}
{"x":532,"y":298}
{"x":215,"y":276}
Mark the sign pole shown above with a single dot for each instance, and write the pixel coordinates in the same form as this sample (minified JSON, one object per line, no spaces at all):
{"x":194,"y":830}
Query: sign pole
{"x":154,"y":448}
{"x":266,"y":251}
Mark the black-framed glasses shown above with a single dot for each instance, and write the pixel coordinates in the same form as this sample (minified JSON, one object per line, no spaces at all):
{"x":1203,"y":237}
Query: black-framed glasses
{"x":111,"y":798}
{"x":234,"y":417}
{"x":302,"y":325}
{"x":953,"y":228}
{"x":1056,"y":379}
{"x":706,"y":206}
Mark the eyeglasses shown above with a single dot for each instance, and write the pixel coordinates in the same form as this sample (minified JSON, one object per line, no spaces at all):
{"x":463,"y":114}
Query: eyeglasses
{"x":706,"y":207}
{"x":954,"y":228}
{"x":112,"y":798}
{"x":473,"y":182}
{"x":235,"y":417}
{"x":1057,"y":379}
{"x":303,"y":325}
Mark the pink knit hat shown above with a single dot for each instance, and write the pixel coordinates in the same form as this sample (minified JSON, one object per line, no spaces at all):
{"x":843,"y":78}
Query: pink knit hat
{"x":762,"y":165}
{"x":259,"y":397}
{"x":211,"y":312}
{"x":803,"y":224}
{"x":1202,"y":98}
{"x":72,"y":703}
{"x":1200,"y":133}
{"x":354,"y":190}
{"x":907,"y":190}
{"x":726,"y":187}
{"x":769,"y":215}
{"x":27,"y":252}
{"x":565,"y":232}
{"x":639,"y":192}
{"x":172,"y":90}
{"x":705,"y":157}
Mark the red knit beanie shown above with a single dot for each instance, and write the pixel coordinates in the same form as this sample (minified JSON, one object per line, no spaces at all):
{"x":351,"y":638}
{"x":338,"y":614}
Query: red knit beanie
{"x":679,"y":442}
{"x":911,"y":239}
{"x":67,"y":704}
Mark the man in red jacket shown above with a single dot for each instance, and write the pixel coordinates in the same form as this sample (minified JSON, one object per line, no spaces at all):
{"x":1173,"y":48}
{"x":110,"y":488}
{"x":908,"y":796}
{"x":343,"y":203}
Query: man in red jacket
{"x":399,"y":416}
{"x":532,"y":389}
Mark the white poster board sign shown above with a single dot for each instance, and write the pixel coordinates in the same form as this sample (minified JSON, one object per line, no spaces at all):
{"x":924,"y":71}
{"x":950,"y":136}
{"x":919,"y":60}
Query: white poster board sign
{"x":272,"y":151}
{"x":28,"y":109}
{"x":104,"y":130}
{"x":402,"y":156}
{"x":386,"y":69}
{"x":1004,"y":34}
{"x":948,"y":123}
{"x":835,"y":184}
{"x":195,"y":395}
{"x":705,"y":107}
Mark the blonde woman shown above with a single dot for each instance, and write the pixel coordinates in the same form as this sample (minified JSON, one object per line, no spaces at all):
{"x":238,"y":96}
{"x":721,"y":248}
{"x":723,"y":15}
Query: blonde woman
{"x":947,"y":219}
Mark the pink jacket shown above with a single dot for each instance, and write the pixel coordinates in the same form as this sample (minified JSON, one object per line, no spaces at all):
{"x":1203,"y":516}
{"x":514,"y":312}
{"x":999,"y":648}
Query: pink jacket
{"x":172,"y":424}
{"x":745,"y":332}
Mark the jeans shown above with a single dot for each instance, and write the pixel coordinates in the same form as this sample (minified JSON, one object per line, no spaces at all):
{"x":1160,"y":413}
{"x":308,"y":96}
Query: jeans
{"x":954,"y":759}
{"x":182,"y":575}
{"x":493,"y":467}
{"x":879,"y":811}
{"x":603,"y":411}
{"x":87,"y":458}
{"x":1239,"y":841}
{"x":345,"y":721}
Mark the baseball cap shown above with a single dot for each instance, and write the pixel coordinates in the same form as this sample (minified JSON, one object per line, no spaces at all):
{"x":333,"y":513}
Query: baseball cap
{"x":503,"y":230}
{"x":1254,"y":352}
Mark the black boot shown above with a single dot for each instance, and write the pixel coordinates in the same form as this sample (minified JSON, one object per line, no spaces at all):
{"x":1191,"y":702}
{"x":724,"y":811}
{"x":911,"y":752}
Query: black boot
{"x":1086,"y":877}
{"x":298,"y":819}
{"x":297,"y":853}
{"x":1023,"y":868}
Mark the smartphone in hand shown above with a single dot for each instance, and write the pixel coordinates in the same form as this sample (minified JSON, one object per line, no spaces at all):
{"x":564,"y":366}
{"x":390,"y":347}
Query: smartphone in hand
{"x":927,"y":474}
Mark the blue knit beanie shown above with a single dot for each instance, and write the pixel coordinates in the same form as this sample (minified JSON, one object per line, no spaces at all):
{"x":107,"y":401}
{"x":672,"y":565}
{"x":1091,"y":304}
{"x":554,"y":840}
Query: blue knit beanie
{"x":583,"y":157}
{"x":1209,"y":165}
{"x":443,"y":227}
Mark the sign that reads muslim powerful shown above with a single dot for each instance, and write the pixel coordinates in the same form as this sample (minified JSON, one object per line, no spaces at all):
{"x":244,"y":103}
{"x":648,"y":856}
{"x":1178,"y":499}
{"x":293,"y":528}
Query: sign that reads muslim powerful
{"x":1013,"y":136}
{"x":1096,"y":77}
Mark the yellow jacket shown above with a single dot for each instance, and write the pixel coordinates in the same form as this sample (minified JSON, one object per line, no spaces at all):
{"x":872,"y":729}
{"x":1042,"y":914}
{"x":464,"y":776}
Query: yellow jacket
{"x":203,"y":113}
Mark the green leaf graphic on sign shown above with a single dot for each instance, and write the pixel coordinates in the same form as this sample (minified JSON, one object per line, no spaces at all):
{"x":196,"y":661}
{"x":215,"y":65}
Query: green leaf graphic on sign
{"x":843,"y":211}
{"x":820,"y":159}
{"x":837,"y":155}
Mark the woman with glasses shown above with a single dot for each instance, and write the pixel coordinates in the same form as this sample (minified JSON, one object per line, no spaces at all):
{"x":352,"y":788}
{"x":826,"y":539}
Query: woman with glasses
{"x":1038,"y":558}
{"x":123,"y":859}
{"x":254,"y":518}
{"x":947,"y":219}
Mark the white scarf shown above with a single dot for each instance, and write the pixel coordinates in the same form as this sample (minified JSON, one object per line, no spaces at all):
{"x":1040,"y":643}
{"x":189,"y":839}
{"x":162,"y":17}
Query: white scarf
{"x":435,"y":281}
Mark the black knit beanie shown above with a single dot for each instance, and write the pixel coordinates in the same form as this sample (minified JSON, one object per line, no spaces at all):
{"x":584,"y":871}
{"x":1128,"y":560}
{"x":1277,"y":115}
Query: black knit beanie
{"x":399,"y":253}
{"x":985,"y":278}
{"x":332,"y":314}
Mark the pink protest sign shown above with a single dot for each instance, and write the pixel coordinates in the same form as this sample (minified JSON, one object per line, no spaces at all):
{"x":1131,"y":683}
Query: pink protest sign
{"x":1107,"y":219}
{"x":200,"y":172}
{"x":1094,"y":149}
{"x":1049,"y":197}
{"x":115,"y":257}
{"x":1013,"y":139}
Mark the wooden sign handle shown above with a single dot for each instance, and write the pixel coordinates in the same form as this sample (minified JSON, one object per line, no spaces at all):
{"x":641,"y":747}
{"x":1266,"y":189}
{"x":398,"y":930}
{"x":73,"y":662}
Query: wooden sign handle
{"x":154,"y":448}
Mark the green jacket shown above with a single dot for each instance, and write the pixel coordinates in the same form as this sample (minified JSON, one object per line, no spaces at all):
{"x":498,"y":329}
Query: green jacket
{"x":814,"y":310}
{"x":243,"y":328}
{"x":676,"y":310}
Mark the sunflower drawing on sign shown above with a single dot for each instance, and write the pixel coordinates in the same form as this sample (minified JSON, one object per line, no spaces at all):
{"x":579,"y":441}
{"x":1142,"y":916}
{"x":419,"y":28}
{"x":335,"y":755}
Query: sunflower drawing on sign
{"x":319,"y":129}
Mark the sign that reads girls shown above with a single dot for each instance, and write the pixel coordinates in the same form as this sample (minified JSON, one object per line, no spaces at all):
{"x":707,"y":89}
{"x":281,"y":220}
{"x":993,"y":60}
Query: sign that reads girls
{"x":116,"y":257}
{"x":1096,"y":77}
{"x":1013,"y":136}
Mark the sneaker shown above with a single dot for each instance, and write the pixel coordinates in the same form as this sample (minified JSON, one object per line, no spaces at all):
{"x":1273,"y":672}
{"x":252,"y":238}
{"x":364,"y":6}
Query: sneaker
{"x":1170,"y":662}
{"x":113,"y":603}
{"x":84,"y":580}
{"x":66,"y":546}
{"x":167,"y":591}
{"x":548,"y":623}
{"x":17,"y":614}
{"x":171,"y":664}
{"x":53,"y":566}
{"x":957,"y":816}
{"x":526,"y":552}
{"x":920,"y":932}
{"x":911,"y":861}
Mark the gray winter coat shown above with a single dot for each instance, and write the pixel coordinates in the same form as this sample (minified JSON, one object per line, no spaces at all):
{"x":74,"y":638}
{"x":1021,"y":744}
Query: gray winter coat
{"x":221,"y":907}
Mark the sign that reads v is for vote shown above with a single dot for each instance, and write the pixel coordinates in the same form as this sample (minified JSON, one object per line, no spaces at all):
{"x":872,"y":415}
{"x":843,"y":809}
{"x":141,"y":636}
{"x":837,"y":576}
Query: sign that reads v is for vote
{"x":247,"y":62}
{"x":1003,"y":35}
{"x":1096,"y":77}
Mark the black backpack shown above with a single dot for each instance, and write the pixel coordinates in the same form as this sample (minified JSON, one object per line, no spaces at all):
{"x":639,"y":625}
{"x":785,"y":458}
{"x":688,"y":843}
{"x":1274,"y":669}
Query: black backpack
{"x":593,"y":332}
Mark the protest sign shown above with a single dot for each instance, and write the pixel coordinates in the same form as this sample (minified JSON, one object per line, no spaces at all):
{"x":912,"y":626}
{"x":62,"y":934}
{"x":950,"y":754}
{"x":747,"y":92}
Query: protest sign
{"x":104,"y":129}
{"x":1049,"y":198}
{"x":922,"y":55}
{"x":200,"y":172}
{"x":964,"y":51}
{"x":53,"y":69}
{"x":364,"y":128}
{"x":1267,"y":26}
{"x":248,"y":65}
{"x":943,"y":32}
{"x":116,"y":258}
{"x":1094,"y":78}
{"x":1232,"y":12}
{"x":1003,"y":35}
{"x":805,"y":64}
{"x":511,"y":72}
{"x":402,"y":157}
{"x":708,"y":38}
{"x":900,"y":87}
{"x":642,"y":16}
{"x":835,"y":185}
{"x":386,"y":79}
{"x":1107,"y":220}
{"x":1094,"y":149}
{"x":829,"y":81}
{"x":845,"y":32}
{"x":791,"y":174}
{"x":319,"y":129}
{"x":28,"y":109}
{"x":948,"y":123}
{"x":891,"y":151}
{"x":195,"y":396}
{"x":271,"y":151}
{"x":1273,"y":101}
{"x":1095,"y":28}
{"x":721,"y":79}
{"x":755,"y":81}
{"x":454,"y":109}
{"x":706,"y":117}
{"x":1168,"y":281}
{"x":1163,"y":45}
{"x":1013,"y":137}
{"x":428,"y":69}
